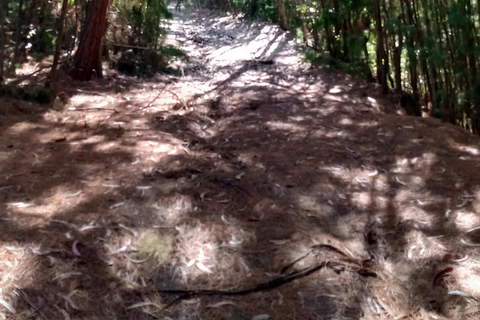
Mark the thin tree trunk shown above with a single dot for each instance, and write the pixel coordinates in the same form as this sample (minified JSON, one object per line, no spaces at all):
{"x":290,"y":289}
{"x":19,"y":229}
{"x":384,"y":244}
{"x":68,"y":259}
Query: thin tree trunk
{"x":381,"y":55}
{"x":328,"y":33}
{"x":254,"y":8}
{"x":412,"y":56}
{"x":304,"y":24}
{"x":3,"y":13}
{"x":472,"y":61}
{"x":397,"y":56}
{"x":18,"y":32}
{"x":58,"y":44}
{"x":87,"y":59}
{"x":316,"y":38}
{"x":282,"y":17}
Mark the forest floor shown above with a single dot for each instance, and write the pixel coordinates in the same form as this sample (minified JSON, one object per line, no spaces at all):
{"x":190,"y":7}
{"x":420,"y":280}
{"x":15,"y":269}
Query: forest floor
{"x":290,"y":192}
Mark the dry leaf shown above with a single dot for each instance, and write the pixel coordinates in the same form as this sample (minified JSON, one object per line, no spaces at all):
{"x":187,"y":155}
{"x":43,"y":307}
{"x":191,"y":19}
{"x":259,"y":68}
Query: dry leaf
{"x":116,"y":205}
{"x":8,"y":305}
{"x":202,"y":267}
{"x":462,"y":293}
{"x":441,"y":274}
{"x":220,"y":304}
{"x":75,"y":250}
{"x":279,"y":242}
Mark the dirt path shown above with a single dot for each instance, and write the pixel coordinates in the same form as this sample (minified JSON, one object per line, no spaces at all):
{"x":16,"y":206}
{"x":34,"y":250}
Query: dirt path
{"x":252,"y":168}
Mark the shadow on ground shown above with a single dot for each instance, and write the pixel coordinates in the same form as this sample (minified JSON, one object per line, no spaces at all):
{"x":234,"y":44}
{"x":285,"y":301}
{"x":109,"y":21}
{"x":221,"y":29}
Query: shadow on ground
{"x":119,"y":196}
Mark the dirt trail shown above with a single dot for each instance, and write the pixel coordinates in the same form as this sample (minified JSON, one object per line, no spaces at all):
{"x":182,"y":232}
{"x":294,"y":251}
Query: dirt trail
{"x":251,"y":167}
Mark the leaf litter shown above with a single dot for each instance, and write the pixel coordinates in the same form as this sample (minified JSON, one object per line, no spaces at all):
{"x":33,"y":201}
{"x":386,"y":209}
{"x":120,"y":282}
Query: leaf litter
{"x":209,"y":187}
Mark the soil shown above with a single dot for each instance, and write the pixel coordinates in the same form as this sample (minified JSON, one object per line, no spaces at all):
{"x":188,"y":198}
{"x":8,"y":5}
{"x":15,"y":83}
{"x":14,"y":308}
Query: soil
{"x":130,"y":197}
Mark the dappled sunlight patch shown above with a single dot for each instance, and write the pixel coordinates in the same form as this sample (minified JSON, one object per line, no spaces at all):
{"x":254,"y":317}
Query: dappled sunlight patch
{"x":174,"y":208}
{"x":362,"y":200}
{"x":381,"y":183}
{"x":20,"y":128}
{"x":346,"y":121}
{"x":472,"y":150}
{"x":336,"y":133}
{"x":336,"y":89}
{"x":336,"y":171}
{"x":283,"y":126}
{"x":466,"y":277}
{"x":17,"y":270}
{"x":464,"y":219}
{"x":314,"y":207}
{"x":330,"y":97}
{"x":419,"y":217}
{"x":157,"y":147}
{"x":318,"y":133}
{"x":59,"y":199}
{"x":422,"y":249}
{"x":197,"y":250}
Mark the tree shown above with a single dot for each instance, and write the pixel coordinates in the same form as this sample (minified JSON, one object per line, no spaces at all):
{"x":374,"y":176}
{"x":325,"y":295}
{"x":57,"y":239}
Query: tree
{"x":3,"y":14}
{"x":88,"y":58}
{"x":381,"y":55}
{"x":282,"y":16}
{"x":58,"y":44}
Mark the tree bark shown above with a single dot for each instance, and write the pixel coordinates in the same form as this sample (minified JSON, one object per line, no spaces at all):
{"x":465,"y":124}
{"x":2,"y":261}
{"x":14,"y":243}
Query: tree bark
{"x":282,"y":16}
{"x":470,"y":35}
{"x":254,"y":8}
{"x":3,"y":13}
{"x":88,"y":58}
{"x":381,"y":55}
{"x":397,"y":55}
{"x":304,"y":24}
{"x":58,"y":44}
{"x":18,"y":33}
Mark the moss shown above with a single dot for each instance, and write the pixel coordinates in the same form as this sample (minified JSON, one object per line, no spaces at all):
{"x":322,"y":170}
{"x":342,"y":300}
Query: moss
{"x":155,"y":244}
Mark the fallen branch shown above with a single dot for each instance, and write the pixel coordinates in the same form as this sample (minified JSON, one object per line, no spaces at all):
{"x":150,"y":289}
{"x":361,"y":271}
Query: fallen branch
{"x":178,"y":98}
{"x":319,"y":246}
{"x":275,"y":283}
{"x":158,"y":96}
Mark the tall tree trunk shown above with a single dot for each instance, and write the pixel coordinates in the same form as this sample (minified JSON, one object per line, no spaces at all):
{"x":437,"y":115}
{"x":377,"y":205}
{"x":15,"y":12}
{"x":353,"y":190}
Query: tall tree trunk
{"x":18,"y":33}
{"x":58,"y":43}
{"x":316,"y":38}
{"x":431,"y":69}
{"x":3,"y":14}
{"x":397,"y":63}
{"x":88,"y":56}
{"x":412,"y":56}
{"x":381,"y":55}
{"x":254,"y":7}
{"x":304,"y":24}
{"x":282,"y":16}
{"x":471,"y":35}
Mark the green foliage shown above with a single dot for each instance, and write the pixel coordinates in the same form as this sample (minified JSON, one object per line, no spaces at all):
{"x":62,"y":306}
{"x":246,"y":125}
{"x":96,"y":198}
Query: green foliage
{"x":357,"y":67}
{"x":311,"y":56}
{"x":144,"y":18}
{"x":267,"y":10}
{"x":169,"y":51}
{"x":146,"y":63}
